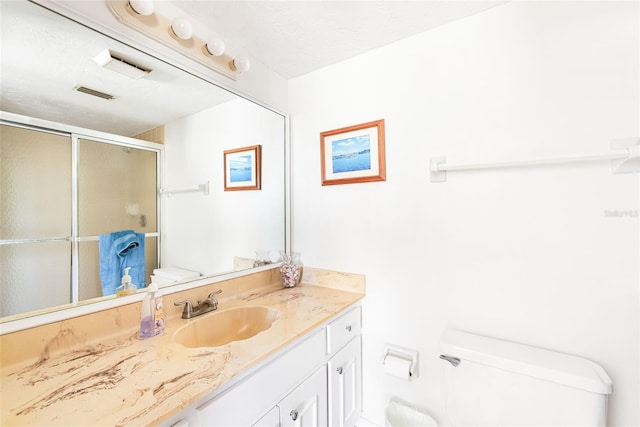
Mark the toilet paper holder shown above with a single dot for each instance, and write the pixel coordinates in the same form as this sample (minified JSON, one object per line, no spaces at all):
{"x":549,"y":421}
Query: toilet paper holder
{"x":402,"y":353}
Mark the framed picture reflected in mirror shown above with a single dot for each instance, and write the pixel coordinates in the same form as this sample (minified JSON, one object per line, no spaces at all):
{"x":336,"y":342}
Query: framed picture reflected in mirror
{"x":242,"y":168}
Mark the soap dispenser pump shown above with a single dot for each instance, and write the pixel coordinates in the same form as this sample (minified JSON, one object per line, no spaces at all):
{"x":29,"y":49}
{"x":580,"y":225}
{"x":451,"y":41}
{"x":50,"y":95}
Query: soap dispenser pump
{"x":126,"y":287}
{"x":152,"y":316}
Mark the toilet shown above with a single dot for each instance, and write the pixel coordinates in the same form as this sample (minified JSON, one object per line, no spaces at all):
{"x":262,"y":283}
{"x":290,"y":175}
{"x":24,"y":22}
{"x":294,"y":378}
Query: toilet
{"x":490,"y":382}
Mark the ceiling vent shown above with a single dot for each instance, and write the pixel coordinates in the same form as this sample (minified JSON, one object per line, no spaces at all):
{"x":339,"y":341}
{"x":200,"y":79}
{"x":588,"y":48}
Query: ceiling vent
{"x":93,"y":92}
{"x":113,"y":62}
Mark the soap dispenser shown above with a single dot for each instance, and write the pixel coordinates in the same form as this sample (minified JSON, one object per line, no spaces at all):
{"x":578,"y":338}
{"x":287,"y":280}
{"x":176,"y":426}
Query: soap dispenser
{"x":152,"y":317}
{"x":126,"y":288}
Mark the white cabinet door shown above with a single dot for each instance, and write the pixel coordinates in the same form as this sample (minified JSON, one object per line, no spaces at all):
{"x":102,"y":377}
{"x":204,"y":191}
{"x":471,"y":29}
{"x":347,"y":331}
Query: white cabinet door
{"x":270,"y":419}
{"x":345,"y":385}
{"x":306,"y":406}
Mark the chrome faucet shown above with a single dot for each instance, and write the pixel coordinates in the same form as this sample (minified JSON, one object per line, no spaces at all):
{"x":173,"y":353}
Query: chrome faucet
{"x":209,"y":304}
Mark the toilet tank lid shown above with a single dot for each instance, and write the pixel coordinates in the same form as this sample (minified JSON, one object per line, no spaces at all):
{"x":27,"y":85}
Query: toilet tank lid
{"x":176,"y":273}
{"x":535,"y":362}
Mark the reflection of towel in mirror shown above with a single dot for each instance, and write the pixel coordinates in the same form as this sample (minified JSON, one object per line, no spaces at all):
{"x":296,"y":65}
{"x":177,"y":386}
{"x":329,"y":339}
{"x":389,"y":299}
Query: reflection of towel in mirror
{"x":118,"y":250}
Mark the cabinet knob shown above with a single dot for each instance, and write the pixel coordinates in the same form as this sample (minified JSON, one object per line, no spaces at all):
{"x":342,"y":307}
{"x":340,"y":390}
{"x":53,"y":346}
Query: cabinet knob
{"x":339,"y":370}
{"x":294,"y":414}
{"x":348,"y":328}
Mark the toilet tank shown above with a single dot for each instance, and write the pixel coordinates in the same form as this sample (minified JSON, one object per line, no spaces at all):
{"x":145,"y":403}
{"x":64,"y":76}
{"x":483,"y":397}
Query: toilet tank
{"x":500,"y":383}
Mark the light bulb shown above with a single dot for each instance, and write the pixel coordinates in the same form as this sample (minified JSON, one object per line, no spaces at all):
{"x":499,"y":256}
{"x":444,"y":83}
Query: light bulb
{"x":142,"y":7}
{"x":182,"y":28}
{"x":242,"y":64}
{"x":215,"y":47}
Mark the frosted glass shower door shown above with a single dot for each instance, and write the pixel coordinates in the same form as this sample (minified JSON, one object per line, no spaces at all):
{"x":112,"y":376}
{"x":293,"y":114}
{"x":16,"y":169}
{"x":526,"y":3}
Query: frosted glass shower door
{"x":35,"y":219}
{"x":117,"y":190}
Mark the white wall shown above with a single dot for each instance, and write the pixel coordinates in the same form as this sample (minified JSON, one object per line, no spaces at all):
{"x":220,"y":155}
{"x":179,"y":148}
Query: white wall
{"x":529,"y":255}
{"x":204,"y":233}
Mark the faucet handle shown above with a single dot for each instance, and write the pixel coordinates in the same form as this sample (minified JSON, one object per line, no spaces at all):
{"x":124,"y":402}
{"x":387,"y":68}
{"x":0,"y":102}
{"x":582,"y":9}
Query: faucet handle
{"x":212,"y":298}
{"x":211,"y":295}
{"x":188,"y":309}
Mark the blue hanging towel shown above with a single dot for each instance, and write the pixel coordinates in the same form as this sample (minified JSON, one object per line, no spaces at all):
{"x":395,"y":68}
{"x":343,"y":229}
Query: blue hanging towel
{"x":118,"y":250}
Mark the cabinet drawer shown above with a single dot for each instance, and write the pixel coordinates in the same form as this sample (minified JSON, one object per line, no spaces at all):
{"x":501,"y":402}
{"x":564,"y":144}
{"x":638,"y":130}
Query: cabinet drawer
{"x":343,"y":329}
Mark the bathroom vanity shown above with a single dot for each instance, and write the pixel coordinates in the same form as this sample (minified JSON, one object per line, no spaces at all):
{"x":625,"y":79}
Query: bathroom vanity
{"x":314,"y":380}
{"x":87,"y":371}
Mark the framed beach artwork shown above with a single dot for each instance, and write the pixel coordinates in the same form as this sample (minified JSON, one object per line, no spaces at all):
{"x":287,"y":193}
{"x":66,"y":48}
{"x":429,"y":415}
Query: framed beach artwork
{"x":242,"y":168}
{"x":353,"y":154}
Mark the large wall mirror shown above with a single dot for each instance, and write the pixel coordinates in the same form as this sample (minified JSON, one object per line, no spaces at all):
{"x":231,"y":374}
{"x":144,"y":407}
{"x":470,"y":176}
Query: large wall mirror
{"x":142,"y":153}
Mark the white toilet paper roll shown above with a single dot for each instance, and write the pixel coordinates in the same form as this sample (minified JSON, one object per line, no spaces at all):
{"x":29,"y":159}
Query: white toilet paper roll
{"x":397,"y":366}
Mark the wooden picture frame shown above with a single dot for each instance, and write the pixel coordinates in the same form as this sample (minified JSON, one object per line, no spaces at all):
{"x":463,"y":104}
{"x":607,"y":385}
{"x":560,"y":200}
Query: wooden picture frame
{"x":353,"y":154}
{"x":243,"y":168}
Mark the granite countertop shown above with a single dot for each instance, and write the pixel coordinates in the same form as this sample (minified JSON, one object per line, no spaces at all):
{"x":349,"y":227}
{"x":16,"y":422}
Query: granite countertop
{"x":128,"y":381}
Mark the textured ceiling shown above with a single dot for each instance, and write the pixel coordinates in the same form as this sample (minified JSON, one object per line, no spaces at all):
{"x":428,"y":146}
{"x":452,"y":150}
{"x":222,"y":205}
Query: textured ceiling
{"x":297,"y":37}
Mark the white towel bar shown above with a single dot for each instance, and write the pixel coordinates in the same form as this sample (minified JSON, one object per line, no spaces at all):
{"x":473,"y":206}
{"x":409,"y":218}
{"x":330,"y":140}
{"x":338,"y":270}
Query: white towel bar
{"x":625,"y":159}
{"x":201,"y":188}
{"x":96,"y":238}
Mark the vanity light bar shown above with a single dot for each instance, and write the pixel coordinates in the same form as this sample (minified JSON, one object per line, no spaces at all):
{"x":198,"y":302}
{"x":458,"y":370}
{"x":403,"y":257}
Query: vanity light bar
{"x":163,"y":31}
